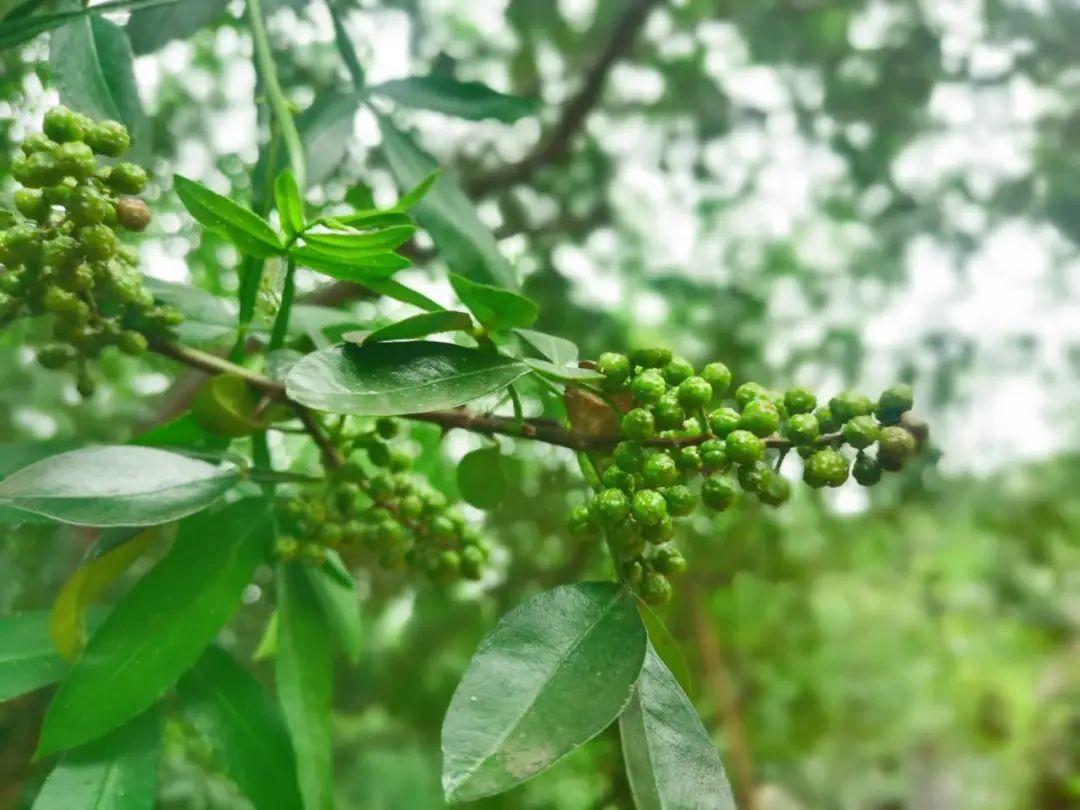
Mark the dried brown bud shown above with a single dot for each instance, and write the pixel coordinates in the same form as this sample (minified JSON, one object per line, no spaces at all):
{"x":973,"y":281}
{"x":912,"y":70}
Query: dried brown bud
{"x":132,"y":213}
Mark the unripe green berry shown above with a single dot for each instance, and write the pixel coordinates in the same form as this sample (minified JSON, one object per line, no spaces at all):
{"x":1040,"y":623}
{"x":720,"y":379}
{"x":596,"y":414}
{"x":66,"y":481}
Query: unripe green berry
{"x":625,"y":540}
{"x":62,"y":125}
{"x":109,"y":138}
{"x":668,"y":413}
{"x":648,"y":386}
{"x":827,"y":422}
{"x":132,"y":343}
{"x":38,"y":142}
{"x":677,"y":370}
{"x":668,"y":561}
{"x":434,"y":502}
{"x":760,"y":417}
{"x":849,"y":404}
{"x":749,"y":391}
{"x":743,"y":447}
{"x":411,"y":506}
{"x":87,"y":206}
{"x":378,"y":453}
{"x":802,"y":429}
{"x":75,"y":160}
{"x":386,"y":427}
{"x":718,"y":376}
{"x":775,"y":490}
{"x":581,"y":520}
{"x":127,"y":178}
{"x":619,"y":479}
{"x":688,"y":459}
{"x":752,"y":477}
{"x":615,"y":367}
{"x":826,"y":468}
{"x":85,"y":384}
{"x":612,"y":506}
{"x":649,"y":507}
{"x":286,"y":548}
{"x":714,"y":454}
{"x":655,"y":589}
{"x":55,"y":355}
{"x":895,"y":444}
{"x":893,"y":403}
{"x":448,"y":566}
{"x":799,"y":400}
{"x":694,"y":392}
{"x":659,"y":471}
{"x":866,"y":471}
{"x":660,"y":532}
{"x":632,"y":572}
{"x":331,"y":535}
{"x":861,"y":432}
{"x":472,"y":563}
{"x":638,"y":424}
{"x":650,"y":358}
{"x":31,"y":203}
{"x":681,"y":500}
{"x":629,"y":456}
{"x":37,"y":170}
{"x":718,"y":492}
{"x":98,"y":242}
{"x":724,"y":420}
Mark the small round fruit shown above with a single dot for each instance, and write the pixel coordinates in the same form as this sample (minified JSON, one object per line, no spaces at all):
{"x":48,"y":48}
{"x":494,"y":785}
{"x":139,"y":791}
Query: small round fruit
{"x":694,"y":392}
{"x":616,"y":367}
{"x":799,"y":400}
{"x":861,"y":432}
{"x":109,"y":138}
{"x":668,"y":413}
{"x":127,"y":178}
{"x":714,"y":455}
{"x":749,"y":391}
{"x":826,"y":468}
{"x":62,"y":125}
{"x":723,"y":420}
{"x":775,"y":490}
{"x":718,"y":492}
{"x":625,"y":540}
{"x":472,"y":563}
{"x":677,"y":370}
{"x":849,"y":404}
{"x":802,"y":429}
{"x":827,"y":422}
{"x":649,"y":507}
{"x":131,"y":343}
{"x":386,"y":427}
{"x":132,"y":214}
{"x":55,"y":355}
{"x":648,"y":386}
{"x":760,"y":417}
{"x":98,"y":242}
{"x":688,"y":459}
{"x":718,"y":376}
{"x":659,"y":470}
{"x":894,"y":402}
{"x":866,"y":471}
{"x":650,"y":358}
{"x":743,"y":447}
{"x":632,"y":572}
{"x":659,"y":533}
{"x":753,"y":477}
{"x":612,"y":506}
{"x":31,"y":203}
{"x":895,"y":443}
{"x":655,"y":589}
{"x":638,"y":424}
{"x":619,"y":479}
{"x":629,"y":456}
{"x":581,"y":520}
{"x":75,"y":160}
{"x":668,"y":561}
{"x":681,"y":500}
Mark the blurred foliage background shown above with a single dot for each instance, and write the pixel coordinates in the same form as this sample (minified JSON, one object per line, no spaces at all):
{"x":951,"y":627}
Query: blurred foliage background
{"x":826,"y":193}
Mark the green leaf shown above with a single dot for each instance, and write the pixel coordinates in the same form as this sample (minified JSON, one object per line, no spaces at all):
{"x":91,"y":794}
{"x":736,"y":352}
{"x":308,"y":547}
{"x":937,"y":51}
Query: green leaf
{"x":28,"y":659}
{"x":670,"y":760}
{"x":369,"y":267}
{"x":182,"y":432}
{"x":387,"y":379}
{"x":360,"y":245}
{"x":150,"y":29}
{"x":495,"y":308}
{"x":481,"y":478}
{"x":18,"y":31}
{"x":427,"y":323}
{"x":244,"y":228}
{"x":14,"y":455}
{"x":464,"y":242}
{"x":207,"y":318}
{"x":117,"y":486}
{"x":91,"y":63}
{"x":67,"y":627}
{"x":417,"y":192}
{"x":666,"y":646}
{"x":367,"y":219}
{"x":563,"y":373}
{"x":471,"y":100}
{"x":399,"y":292}
{"x":336,"y":592}
{"x":289,"y":205}
{"x":553,"y":674}
{"x":244,"y":728}
{"x":559,"y":351}
{"x":117,"y":772}
{"x":161,"y":626}
{"x":305,"y":681}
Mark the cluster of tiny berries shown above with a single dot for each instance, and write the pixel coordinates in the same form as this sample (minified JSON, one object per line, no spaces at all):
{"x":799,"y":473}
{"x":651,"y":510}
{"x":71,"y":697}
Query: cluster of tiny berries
{"x":401,"y":520}
{"x":59,"y":254}
{"x":682,"y":427}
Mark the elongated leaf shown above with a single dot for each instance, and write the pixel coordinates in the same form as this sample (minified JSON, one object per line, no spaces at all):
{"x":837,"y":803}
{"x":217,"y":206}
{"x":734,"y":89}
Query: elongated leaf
{"x":289,"y":205}
{"x":370,"y":268}
{"x":559,"y":351}
{"x":465,"y":243}
{"x":117,"y":486}
{"x":67,"y":625}
{"x":418,"y":326}
{"x":149,"y":29}
{"x":244,"y":728}
{"x":471,"y":100}
{"x":493,"y":307}
{"x":92,"y":67}
{"x":399,"y":292}
{"x":417,"y":192}
{"x":160,"y":627}
{"x":117,"y":772}
{"x":367,"y":219}
{"x":386,"y":379}
{"x":244,"y":228}
{"x":15,"y":32}
{"x":553,"y":674}
{"x":666,"y":646}
{"x":670,"y":761}
{"x":361,"y":243}
{"x":481,"y":479}
{"x":305,"y":680}
{"x":28,"y":659}
{"x":15,"y":455}
{"x":182,"y":432}
{"x":563,"y":373}
{"x":336,"y":592}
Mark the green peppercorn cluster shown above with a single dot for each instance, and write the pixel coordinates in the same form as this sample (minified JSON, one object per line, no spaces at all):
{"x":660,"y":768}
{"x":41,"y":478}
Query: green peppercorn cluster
{"x":685,"y":441}
{"x":59,"y":252}
{"x":391,"y":513}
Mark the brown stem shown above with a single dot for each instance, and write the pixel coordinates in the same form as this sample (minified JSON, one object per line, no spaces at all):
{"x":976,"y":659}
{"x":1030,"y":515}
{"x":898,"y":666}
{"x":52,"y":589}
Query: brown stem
{"x":718,"y":679}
